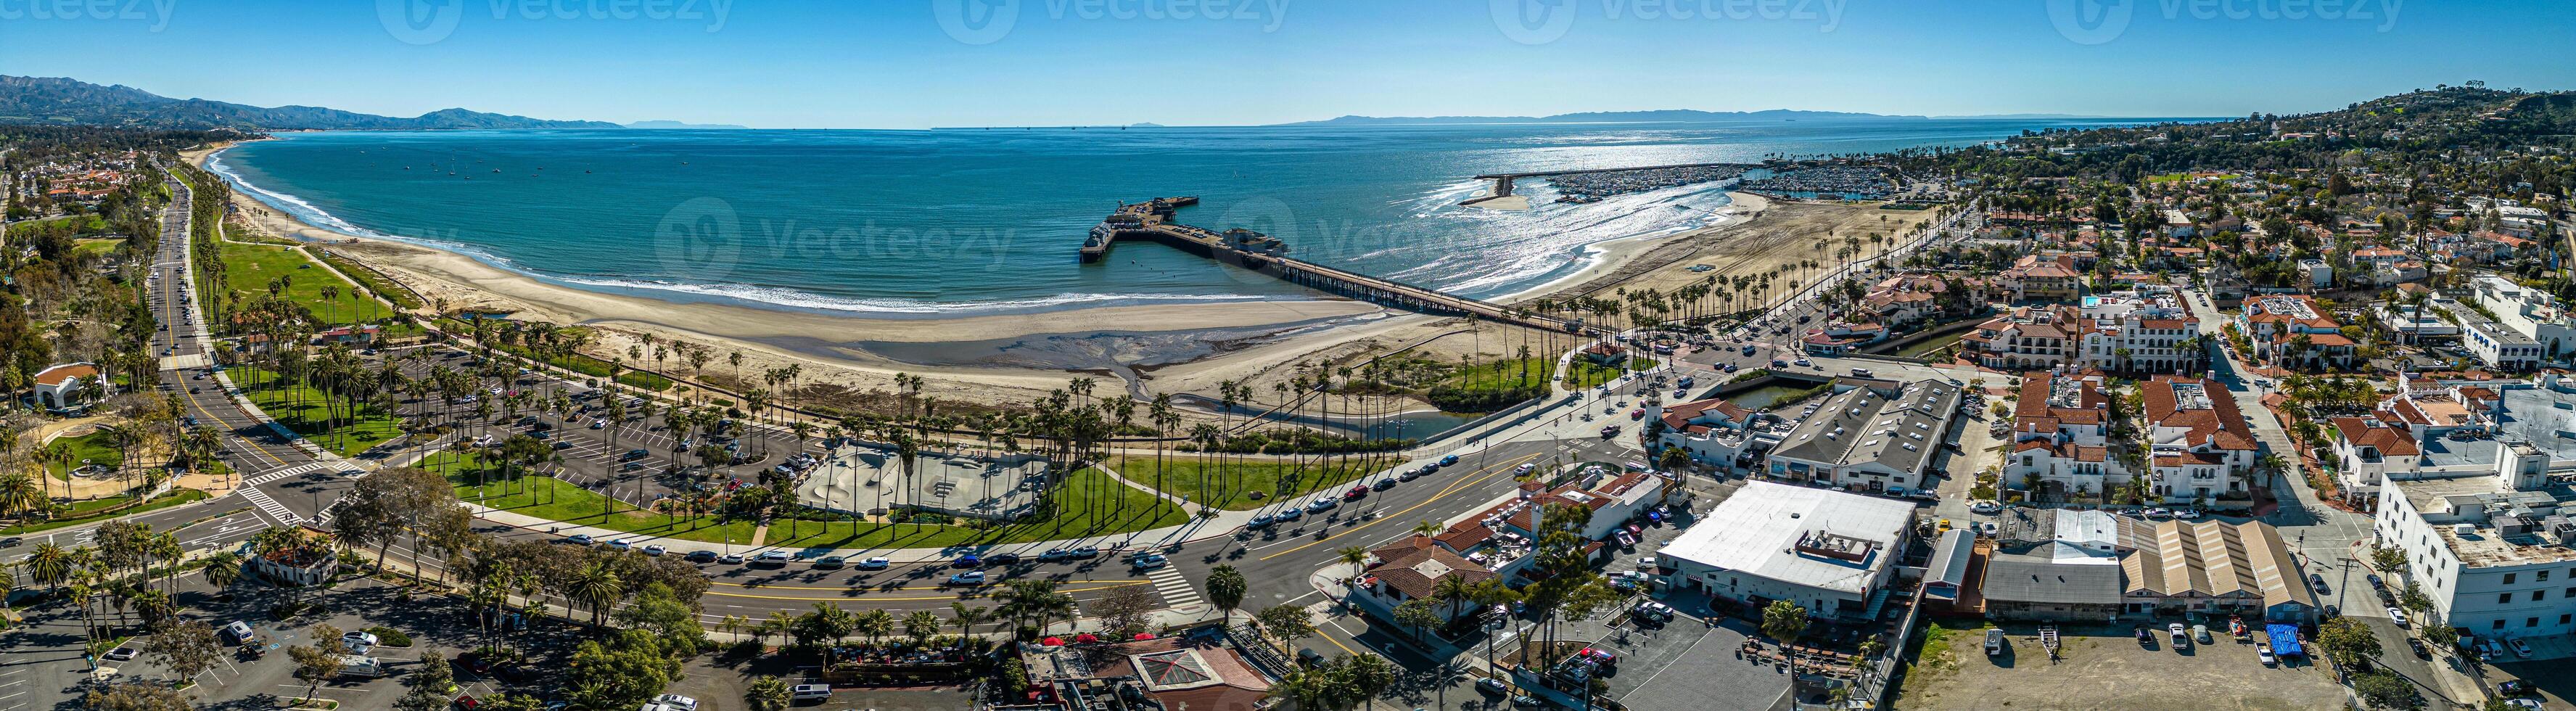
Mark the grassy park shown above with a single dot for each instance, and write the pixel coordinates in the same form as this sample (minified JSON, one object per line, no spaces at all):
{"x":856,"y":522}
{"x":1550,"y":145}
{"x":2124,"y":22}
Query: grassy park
{"x":1230,"y":481}
{"x":1092,"y":504}
{"x":94,"y":447}
{"x":249,"y":269}
{"x":300,"y":408}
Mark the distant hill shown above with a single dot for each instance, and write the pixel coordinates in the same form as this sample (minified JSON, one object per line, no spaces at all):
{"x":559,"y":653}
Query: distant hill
{"x":1659,"y":116}
{"x":56,"y":100}
{"x":676,"y":125}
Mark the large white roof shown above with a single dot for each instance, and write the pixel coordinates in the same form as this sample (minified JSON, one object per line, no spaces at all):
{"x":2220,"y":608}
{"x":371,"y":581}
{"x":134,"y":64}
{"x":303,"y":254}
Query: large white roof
{"x":1756,"y":531}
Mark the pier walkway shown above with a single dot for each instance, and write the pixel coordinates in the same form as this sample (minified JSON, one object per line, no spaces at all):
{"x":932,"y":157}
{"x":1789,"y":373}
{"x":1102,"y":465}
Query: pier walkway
{"x":1152,"y":221}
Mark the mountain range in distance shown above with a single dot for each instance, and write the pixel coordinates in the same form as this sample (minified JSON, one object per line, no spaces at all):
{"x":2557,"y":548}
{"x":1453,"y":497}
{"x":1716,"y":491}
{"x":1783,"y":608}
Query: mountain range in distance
{"x":56,"y":100}
{"x":1663,"y":116}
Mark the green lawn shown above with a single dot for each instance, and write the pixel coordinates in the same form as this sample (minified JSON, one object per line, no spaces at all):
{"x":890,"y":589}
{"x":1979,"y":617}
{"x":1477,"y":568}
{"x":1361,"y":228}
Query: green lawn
{"x":300,"y":408}
{"x":1094,"y":505}
{"x":83,"y":511}
{"x":92,"y":447}
{"x":374,"y":281}
{"x":249,"y":268}
{"x":98,"y":245}
{"x":1229,"y":481}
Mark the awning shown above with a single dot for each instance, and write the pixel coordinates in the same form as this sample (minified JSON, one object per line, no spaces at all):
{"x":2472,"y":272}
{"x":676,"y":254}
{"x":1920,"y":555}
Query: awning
{"x":2285,"y":639}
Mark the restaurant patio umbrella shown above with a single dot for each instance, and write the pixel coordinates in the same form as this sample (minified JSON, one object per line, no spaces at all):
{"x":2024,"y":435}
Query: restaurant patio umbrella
{"x":1143,"y":636}
{"x":1086,"y":637}
{"x":1052,"y":641}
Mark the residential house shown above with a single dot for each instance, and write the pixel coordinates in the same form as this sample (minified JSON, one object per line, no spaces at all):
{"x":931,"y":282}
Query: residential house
{"x":2201,"y":449}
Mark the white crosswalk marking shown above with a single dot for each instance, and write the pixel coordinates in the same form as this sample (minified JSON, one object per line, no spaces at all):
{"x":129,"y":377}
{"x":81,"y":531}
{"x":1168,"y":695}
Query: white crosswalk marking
{"x":277,"y":511}
{"x":1174,"y":587}
{"x":281,"y":474}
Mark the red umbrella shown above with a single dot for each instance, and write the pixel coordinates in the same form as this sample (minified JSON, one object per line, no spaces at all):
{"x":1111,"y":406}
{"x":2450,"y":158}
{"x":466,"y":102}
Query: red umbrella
{"x":1143,"y":636}
{"x":1052,"y":641}
{"x":1086,"y":637}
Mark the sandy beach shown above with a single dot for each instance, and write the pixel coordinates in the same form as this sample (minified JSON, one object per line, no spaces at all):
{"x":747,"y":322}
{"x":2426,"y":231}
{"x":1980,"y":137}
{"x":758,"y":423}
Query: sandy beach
{"x":993,"y":360}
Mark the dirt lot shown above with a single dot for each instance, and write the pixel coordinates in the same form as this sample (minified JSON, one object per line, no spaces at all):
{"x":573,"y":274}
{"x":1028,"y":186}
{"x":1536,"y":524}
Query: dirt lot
{"x":2103,"y":668}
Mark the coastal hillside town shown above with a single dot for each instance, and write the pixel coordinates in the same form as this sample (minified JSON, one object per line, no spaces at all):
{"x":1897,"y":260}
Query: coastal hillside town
{"x":2276,"y":407}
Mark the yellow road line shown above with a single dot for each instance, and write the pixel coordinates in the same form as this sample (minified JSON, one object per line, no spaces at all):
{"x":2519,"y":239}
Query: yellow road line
{"x":1454,"y":487}
{"x":872,"y":598}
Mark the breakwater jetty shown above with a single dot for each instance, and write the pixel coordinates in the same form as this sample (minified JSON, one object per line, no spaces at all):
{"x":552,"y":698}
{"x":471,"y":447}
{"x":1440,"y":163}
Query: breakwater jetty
{"x":1152,"y":221}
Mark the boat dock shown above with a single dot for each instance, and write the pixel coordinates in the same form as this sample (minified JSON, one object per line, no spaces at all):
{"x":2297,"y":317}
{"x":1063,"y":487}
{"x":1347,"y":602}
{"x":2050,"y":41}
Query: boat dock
{"x":1152,"y":221}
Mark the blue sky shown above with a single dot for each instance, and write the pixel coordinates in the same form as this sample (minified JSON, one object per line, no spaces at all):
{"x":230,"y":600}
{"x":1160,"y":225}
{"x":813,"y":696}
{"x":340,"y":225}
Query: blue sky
{"x":895,"y":64}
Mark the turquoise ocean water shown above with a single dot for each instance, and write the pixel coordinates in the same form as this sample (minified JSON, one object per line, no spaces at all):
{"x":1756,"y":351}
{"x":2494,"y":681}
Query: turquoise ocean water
{"x":954,"y":222}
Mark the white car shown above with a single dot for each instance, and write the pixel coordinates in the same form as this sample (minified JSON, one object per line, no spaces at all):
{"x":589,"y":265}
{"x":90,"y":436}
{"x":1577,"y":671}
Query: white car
{"x":2398,"y":614}
{"x":655,"y":550}
{"x":676,"y":702}
{"x":1985,"y":507}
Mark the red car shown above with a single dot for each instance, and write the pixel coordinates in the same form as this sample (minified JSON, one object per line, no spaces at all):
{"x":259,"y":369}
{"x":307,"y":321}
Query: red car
{"x":1637,"y":414}
{"x":1356,"y":492}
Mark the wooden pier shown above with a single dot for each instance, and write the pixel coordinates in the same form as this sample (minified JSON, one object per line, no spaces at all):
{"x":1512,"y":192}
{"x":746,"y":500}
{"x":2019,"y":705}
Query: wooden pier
{"x":1152,"y":221}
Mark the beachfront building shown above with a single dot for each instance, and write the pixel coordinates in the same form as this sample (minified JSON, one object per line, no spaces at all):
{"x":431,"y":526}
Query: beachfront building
{"x":2041,"y":278}
{"x":68,"y":384}
{"x":2139,"y":332}
{"x":2201,"y":449}
{"x":2027,"y":338}
{"x":1410,"y":569}
{"x":2061,"y":437}
{"x":1873,"y":435}
{"x":1909,"y":300}
{"x":1841,"y":337}
{"x":1499,"y":539}
{"x":2495,"y":550}
{"x":1828,"y":551}
{"x":2289,"y":330}
{"x":1712,"y":431}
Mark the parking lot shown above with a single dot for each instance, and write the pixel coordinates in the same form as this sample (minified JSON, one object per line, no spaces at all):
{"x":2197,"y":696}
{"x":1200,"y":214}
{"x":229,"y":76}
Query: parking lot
{"x":2104,"y":668}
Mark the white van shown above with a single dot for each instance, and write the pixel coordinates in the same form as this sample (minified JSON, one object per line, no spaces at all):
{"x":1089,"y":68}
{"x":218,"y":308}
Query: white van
{"x":240,"y":633}
{"x":810,"y":692}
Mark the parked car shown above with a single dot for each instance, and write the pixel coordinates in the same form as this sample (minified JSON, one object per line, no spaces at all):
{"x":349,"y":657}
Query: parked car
{"x":2421,"y":651}
{"x":656,"y":550}
{"x":122,"y":654}
{"x":578,"y":539}
{"x":676,"y":702}
{"x":2519,"y":649}
{"x":2263,"y":653}
{"x":1151,"y":561}
{"x":730,"y":559}
{"x":701,"y":556}
{"x":1493,"y":686}
{"x":777,"y":557}
{"x":2397,"y":614}
{"x":1449,"y":460}
{"x":1985,"y":507}
{"x":969,"y":560}
{"x":1001,"y":559}
{"x":831,"y":562}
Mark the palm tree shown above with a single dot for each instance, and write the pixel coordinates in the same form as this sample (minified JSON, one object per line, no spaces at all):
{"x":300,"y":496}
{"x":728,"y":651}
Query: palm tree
{"x":922,"y":625}
{"x":876,"y":624}
{"x":597,"y":585}
{"x":969,"y":617}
